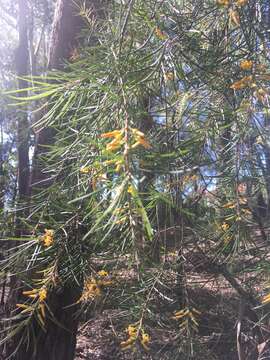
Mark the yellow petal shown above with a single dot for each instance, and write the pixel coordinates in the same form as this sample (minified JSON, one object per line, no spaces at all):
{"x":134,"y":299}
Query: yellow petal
{"x":111,"y":134}
{"x":234,"y":16}
{"x":138,"y":132}
{"x":144,"y":142}
{"x":241,"y":2}
{"x":42,"y":308}
{"x":30,"y":292}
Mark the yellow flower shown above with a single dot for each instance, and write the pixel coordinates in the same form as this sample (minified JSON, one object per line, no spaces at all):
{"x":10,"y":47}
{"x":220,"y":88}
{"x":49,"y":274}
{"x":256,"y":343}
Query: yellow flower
{"x":104,"y":282}
{"x":136,"y":144}
{"x":47,"y":238}
{"x":122,"y":220}
{"x":241,"y":2}
{"x":237,"y":85}
{"x":180,"y":314}
{"x":119,"y":164}
{"x":242,"y":83}
{"x":132,"y":337}
{"x":91,"y":290}
{"x":229,"y":205}
{"x":114,"y":144}
{"x":159,"y":34}
{"x":223,"y":2}
{"x":128,"y":343}
{"x":42,"y":294}
{"x":110,"y":162}
{"x":34,"y":293}
{"x":117,"y":139}
{"x":225,"y":226}
{"x":140,"y":139}
{"x":137,"y":132}
{"x":131,"y":190}
{"x":85,"y":170}
{"x":49,"y":232}
{"x":187,"y":315}
{"x":132,"y":331}
{"x":145,"y":340}
{"x":112,"y":134}
{"x":246,"y":64}
{"x":103,"y":273}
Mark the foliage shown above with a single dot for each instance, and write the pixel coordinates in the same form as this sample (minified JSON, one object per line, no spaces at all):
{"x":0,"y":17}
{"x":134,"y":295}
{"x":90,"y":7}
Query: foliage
{"x":160,"y":145}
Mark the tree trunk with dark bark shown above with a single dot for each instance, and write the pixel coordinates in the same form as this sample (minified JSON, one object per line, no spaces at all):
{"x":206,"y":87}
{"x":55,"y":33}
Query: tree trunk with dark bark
{"x":21,"y":60}
{"x":58,"y":341}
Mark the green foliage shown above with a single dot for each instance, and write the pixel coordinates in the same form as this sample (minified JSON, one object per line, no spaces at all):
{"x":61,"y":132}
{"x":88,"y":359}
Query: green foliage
{"x":181,"y":172}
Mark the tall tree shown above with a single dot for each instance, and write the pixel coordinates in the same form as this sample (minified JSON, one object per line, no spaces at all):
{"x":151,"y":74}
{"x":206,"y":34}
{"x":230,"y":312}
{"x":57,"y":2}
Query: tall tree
{"x":22,"y":60}
{"x":59,"y":339}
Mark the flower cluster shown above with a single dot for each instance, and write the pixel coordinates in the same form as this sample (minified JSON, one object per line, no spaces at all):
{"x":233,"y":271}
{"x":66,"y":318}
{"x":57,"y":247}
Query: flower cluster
{"x":246,"y":81}
{"x":136,"y":334}
{"x":93,"y":287}
{"x":233,"y":9}
{"x":40,"y":295}
{"x":86,"y":170}
{"x":138,"y":138}
{"x":117,"y":136}
{"x":246,"y":65}
{"x":250,"y":80}
{"x":227,"y":3}
{"x":91,"y":290}
{"x":48,"y":238}
{"x":187,"y":317}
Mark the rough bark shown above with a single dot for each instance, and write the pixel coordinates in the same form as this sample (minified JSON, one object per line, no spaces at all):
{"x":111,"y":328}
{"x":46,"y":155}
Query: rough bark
{"x":21,"y":60}
{"x":65,"y":39}
{"x":59,"y":340}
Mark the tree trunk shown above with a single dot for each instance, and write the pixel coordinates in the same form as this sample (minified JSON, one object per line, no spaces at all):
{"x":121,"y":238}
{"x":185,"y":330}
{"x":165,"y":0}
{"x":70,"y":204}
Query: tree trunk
{"x":65,"y":40}
{"x":58,"y":341}
{"x":21,"y":60}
